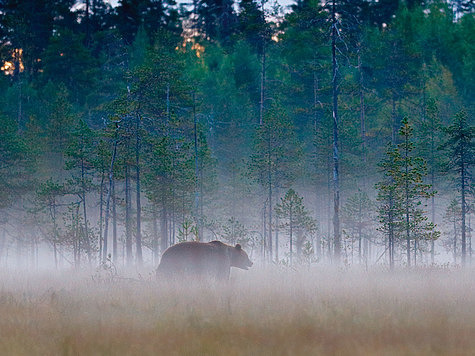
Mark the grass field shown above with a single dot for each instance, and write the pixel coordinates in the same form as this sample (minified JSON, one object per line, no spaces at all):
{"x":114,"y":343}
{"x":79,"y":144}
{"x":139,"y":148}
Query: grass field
{"x":260,"y":312}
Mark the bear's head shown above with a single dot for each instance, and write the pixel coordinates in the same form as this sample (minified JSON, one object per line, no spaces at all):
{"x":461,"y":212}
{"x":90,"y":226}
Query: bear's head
{"x":239,"y":258}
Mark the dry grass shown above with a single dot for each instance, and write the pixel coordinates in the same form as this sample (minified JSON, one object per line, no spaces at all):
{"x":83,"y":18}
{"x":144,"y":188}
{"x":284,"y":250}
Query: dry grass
{"x":317,"y":312}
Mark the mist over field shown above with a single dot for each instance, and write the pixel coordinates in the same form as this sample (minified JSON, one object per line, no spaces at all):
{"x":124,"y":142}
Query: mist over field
{"x":308,"y":311}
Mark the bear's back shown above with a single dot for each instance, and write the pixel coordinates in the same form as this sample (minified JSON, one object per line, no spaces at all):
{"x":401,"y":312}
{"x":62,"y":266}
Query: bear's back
{"x":195,"y":258}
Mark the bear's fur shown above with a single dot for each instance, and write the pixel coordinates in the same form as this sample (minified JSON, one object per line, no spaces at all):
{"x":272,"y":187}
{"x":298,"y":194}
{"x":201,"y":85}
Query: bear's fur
{"x":198,"y":259}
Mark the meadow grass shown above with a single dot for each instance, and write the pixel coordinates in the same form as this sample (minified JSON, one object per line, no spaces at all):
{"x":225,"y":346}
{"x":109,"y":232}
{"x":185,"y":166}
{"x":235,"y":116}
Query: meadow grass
{"x":316,"y":311}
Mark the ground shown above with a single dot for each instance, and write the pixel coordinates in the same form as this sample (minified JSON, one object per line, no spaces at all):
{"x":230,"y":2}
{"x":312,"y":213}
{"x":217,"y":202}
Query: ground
{"x":260,"y":312}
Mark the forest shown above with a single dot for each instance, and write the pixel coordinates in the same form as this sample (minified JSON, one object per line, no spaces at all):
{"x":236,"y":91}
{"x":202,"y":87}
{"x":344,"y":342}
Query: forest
{"x":312,"y":132}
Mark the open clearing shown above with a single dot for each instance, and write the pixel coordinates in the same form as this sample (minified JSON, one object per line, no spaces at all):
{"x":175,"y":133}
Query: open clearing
{"x":260,"y":312}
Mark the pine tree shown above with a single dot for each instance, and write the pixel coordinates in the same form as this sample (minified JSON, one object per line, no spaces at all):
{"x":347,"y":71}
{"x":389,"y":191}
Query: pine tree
{"x":47,"y":204}
{"x":410,"y":179}
{"x":16,"y":165}
{"x":79,"y":154}
{"x":453,"y":219}
{"x":295,"y":219}
{"x":390,"y":208}
{"x":357,"y":219}
{"x":276,"y":159}
{"x":401,"y":195}
{"x":460,"y":146}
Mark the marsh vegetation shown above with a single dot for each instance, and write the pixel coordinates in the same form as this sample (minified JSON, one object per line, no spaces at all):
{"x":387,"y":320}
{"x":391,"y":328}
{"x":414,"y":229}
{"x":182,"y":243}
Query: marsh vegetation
{"x":266,"y":311}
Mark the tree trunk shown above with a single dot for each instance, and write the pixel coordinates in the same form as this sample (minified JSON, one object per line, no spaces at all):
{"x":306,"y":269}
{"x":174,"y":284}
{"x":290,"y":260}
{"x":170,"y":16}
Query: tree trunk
{"x":197,"y":175}
{"x":155,"y":234}
{"x":163,"y":229}
{"x":101,"y":212}
{"x":264,"y":231}
{"x":408,"y":230}
{"x":269,"y":179}
{"x":128,"y":222}
{"x":114,"y":224}
{"x":455,"y":238}
{"x":291,"y":231}
{"x":391,"y":233}
{"x":464,"y":210}
{"x":138,"y":237}
{"x":336,"y":159}
{"x":362,"y":115}
{"x":263,"y":77}
{"x":393,"y":120}
{"x":109,"y":192}
{"x":318,"y":247}
{"x":277,"y":239}
{"x":84,"y":206}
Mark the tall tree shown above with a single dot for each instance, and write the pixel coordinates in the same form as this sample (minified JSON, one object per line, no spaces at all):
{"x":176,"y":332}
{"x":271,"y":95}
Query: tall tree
{"x":401,"y":194}
{"x":216,"y":19}
{"x":460,"y":146}
{"x":80,"y":158}
{"x":15,"y":163}
{"x":295,"y":219}
{"x":276,"y":158}
{"x":336,"y":154}
{"x":410,"y":179}
{"x":390,"y":209}
{"x":453,"y":219}
{"x":358,"y":218}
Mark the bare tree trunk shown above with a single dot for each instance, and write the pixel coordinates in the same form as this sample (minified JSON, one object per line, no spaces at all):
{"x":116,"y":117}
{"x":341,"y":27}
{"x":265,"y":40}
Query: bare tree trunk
{"x":264,"y":231}
{"x":84,"y":206}
{"x":101,"y":212}
{"x":128,"y":222}
{"x":109,"y":192}
{"x":455,"y":238}
{"x":269,"y":177}
{"x":201,"y":230}
{"x":263,"y":77}
{"x":277,"y":239}
{"x":394,"y":126}
{"x":408,"y":230}
{"x":464,"y":211}
{"x":318,"y":247}
{"x":329,"y":207}
{"x":470,"y":236}
{"x":291,"y":233}
{"x":336,"y":158}
{"x":155,"y":234}
{"x":432,"y":181}
{"x":114,"y":224}
{"x":197,"y":173}
{"x":362,"y":120}
{"x":163,"y":229}
{"x":360,"y":237}
{"x":138,"y":237}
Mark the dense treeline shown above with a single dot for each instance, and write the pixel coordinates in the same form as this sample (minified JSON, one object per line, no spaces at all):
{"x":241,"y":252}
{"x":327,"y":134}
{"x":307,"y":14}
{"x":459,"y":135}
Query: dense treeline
{"x":316,"y":132}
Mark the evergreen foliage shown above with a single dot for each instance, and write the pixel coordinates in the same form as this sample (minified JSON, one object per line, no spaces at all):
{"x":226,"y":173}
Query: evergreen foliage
{"x":129,"y":127}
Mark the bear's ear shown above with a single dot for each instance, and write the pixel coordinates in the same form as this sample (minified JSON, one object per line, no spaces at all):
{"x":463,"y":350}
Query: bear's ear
{"x":238,"y":246}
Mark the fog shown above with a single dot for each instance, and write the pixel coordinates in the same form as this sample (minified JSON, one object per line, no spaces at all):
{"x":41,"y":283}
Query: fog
{"x":266,"y":310}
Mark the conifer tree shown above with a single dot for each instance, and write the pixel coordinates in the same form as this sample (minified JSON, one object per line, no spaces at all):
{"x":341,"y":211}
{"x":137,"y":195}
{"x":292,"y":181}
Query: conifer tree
{"x":357,"y":218}
{"x":276,"y":158}
{"x":410,"y":179}
{"x":460,"y":146}
{"x":453,"y":219}
{"x":80,"y":161}
{"x":401,"y":195}
{"x":390,"y":209}
{"x":295,"y":219}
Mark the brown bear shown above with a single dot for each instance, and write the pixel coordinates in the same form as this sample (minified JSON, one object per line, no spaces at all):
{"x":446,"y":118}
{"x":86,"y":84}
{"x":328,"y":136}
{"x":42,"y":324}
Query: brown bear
{"x":198,"y":259}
